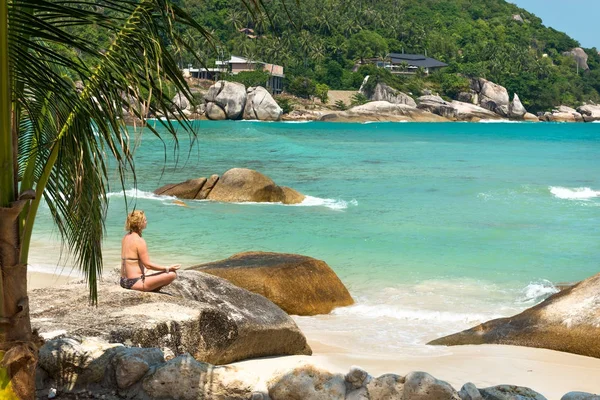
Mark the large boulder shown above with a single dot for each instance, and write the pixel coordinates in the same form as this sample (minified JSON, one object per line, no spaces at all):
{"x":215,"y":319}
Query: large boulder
{"x":590,"y":112}
{"x":242,"y":184}
{"x":181,"y":102}
{"x":260,"y":105}
{"x":188,"y":190}
{"x":383,"y":92}
{"x":567,"y":321}
{"x":203,"y":315}
{"x":493,"y":97}
{"x":225,"y":100}
{"x":510,"y":392}
{"x":516,"y":109}
{"x":298,"y":284}
{"x":562,"y":114}
{"x":455,"y":110}
{"x":383,"y":111}
{"x":308,"y":382}
{"x":580,"y":57}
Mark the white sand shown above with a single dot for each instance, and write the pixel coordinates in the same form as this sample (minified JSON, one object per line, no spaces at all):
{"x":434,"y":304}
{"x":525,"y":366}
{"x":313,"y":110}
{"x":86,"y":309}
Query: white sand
{"x":548,"y":372}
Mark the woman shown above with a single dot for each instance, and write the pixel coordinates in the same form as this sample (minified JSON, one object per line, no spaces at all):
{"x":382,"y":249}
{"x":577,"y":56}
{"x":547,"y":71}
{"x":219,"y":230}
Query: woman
{"x":134,"y":259}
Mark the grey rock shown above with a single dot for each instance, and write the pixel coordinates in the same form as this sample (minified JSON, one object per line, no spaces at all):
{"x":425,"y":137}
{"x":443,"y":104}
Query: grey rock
{"x":469,"y":392}
{"x":131,"y":364}
{"x":181,"y":102}
{"x":516,"y":109}
{"x":230,"y":97}
{"x":358,"y":394}
{"x":357,"y":378}
{"x":383,"y":92}
{"x":468,"y":97}
{"x":181,"y":378}
{"x":580,"y":396}
{"x":455,"y":110}
{"x":590,"y":112}
{"x":215,"y":112}
{"x":510,"y":392}
{"x":204,"y":315}
{"x":580,"y":56}
{"x":260,"y":105}
{"x":518,"y":18}
{"x":386,"y":387}
{"x":307,"y":382}
{"x":492,"y":96}
{"x":383,"y":111}
{"x":422,"y":386}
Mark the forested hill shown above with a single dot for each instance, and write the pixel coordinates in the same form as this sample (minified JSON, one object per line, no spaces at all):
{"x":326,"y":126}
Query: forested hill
{"x":323,"y":39}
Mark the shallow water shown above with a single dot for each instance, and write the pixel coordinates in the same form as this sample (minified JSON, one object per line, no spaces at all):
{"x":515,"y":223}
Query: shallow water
{"x":432,"y":227}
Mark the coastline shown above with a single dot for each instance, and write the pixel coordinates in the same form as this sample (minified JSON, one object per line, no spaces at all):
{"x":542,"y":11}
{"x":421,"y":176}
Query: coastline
{"x":548,"y":372}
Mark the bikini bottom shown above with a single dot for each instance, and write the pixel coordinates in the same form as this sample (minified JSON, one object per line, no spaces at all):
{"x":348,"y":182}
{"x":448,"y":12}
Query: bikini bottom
{"x":127,"y":283}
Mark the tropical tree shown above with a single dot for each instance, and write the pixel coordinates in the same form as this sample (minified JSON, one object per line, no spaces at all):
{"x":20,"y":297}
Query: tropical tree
{"x":55,"y":136}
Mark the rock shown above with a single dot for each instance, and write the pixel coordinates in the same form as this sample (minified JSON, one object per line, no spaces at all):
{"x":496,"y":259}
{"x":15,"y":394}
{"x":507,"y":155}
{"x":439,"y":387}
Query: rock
{"x":208,"y":186}
{"x":383,"y":111}
{"x":386,"y":387}
{"x":468,"y":97}
{"x":357,"y":378}
{"x":260,"y":105}
{"x":76,"y":362}
{"x":229,"y":97}
{"x":518,"y":18}
{"x":131,"y":364}
{"x":531,"y":117}
{"x":383,"y":92}
{"x":566,"y":321}
{"x":242,"y":184}
{"x":298,"y":284}
{"x":291,"y":196}
{"x":580,"y":396}
{"x":187,"y":190}
{"x":469,"y":392}
{"x":516,"y":109}
{"x":510,"y":392}
{"x":358,"y":394}
{"x":563,"y":114}
{"x":422,"y":386}
{"x":590,"y":112}
{"x":181,"y":102}
{"x":493,"y":97}
{"x":307,"y":382}
{"x":456,"y":110}
{"x":206,"y":316}
{"x":580,"y":56}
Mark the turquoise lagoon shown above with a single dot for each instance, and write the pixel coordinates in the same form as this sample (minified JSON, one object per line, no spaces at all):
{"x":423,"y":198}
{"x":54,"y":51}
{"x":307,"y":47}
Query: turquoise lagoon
{"x":432,"y":227}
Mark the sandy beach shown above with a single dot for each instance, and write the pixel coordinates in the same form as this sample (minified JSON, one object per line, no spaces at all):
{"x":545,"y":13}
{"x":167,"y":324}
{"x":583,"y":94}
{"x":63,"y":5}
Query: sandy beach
{"x":548,"y":372}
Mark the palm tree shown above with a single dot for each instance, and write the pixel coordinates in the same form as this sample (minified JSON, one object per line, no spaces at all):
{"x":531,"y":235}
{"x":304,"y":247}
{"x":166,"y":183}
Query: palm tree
{"x":54,"y":139}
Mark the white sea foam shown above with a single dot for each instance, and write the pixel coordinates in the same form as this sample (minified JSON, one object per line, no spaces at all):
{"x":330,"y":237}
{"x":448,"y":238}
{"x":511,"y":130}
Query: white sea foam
{"x":583,"y":193}
{"x":389,"y":311}
{"x":338,"y":205}
{"x":537,"y":291}
{"x":140,"y":194}
{"x":296,"y":122}
{"x":499,"y":121}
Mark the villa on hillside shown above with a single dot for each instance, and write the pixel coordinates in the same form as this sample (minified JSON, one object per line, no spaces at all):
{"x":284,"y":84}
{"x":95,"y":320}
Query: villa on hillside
{"x":407,"y":64}
{"x":236,"y":64}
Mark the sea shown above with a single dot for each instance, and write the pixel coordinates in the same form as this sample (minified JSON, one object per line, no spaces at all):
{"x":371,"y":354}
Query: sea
{"x":433,"y":227}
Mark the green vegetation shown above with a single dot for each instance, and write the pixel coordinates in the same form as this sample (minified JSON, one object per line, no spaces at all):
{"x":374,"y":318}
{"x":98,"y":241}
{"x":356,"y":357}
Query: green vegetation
{"x":324,"y":40}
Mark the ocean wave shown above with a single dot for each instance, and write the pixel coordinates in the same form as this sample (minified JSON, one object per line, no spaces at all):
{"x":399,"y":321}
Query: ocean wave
{"x":499,"y":121}
{"x":583,"y":193}
{"x":537,"y":291}
{"x":296,"y":122}
{"x":140,"y":194}
{"x":310,"y":201}
{"x":384,"y":311}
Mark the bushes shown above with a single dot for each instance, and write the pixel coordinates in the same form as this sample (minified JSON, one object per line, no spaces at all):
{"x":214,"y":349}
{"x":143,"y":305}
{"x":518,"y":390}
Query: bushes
{"x":302,"y":86}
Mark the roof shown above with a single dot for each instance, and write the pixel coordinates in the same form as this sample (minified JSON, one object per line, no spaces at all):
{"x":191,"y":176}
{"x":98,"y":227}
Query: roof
{"x":416,"y":60}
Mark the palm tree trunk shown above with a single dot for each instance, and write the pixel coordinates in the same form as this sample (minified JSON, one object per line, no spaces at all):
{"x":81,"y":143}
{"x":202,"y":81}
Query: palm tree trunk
{"x":18,"y":354}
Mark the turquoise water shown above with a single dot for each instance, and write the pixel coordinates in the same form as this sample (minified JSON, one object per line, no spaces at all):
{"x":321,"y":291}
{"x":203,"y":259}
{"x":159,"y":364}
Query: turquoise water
{"x":433,"y":227}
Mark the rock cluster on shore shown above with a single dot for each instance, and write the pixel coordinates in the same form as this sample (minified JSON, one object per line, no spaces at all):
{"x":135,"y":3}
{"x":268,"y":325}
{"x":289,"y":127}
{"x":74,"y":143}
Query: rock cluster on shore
{"x":235,"y":185}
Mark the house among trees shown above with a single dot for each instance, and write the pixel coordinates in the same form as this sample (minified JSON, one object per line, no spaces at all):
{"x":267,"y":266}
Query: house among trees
{"x":400,"y":63}
{"x":236,"y":64}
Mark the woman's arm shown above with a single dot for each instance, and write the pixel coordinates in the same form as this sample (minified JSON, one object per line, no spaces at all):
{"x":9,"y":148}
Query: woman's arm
{"x":145,"y":258}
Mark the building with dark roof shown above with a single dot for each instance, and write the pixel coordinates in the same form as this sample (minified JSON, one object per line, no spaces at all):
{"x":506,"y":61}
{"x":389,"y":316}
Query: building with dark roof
{"x":400,"y":63}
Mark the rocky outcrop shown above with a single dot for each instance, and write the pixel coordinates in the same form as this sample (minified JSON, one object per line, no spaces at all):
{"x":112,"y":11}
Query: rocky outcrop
{"x":562,"y":114}
{"x":298,"y":284}
{"x":529,"y":117}
{"x":383,"y":92}
{"x":260,"y":105}
{"x":236,"y":185}
{"x":567,"y":321}
{"x":225,"y":100}
{"x":204,"y":315}
{"x":144,"y":373}
{"x":242,"y":184}
{"x":455,"y":110}
{"x":590,"y":112}
{"x":580,"y":56}
{"x":181,"y":102}
{"x":516,"y":109}
{"x":491,"y":96}
{"x":382,"y":111}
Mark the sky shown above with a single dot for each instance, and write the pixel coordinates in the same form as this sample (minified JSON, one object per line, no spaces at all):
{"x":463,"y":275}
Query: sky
{"x":579,"y":19}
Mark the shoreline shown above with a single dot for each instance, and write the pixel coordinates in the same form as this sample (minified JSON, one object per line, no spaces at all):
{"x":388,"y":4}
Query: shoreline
{"x":548,"y":372}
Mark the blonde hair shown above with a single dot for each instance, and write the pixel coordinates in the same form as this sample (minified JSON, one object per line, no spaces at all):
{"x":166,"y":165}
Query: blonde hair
{"x":135,"y":221}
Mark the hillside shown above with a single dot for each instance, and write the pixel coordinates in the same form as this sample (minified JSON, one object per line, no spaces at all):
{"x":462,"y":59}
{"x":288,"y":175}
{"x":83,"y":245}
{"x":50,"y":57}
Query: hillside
{"x":323,"y":39}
